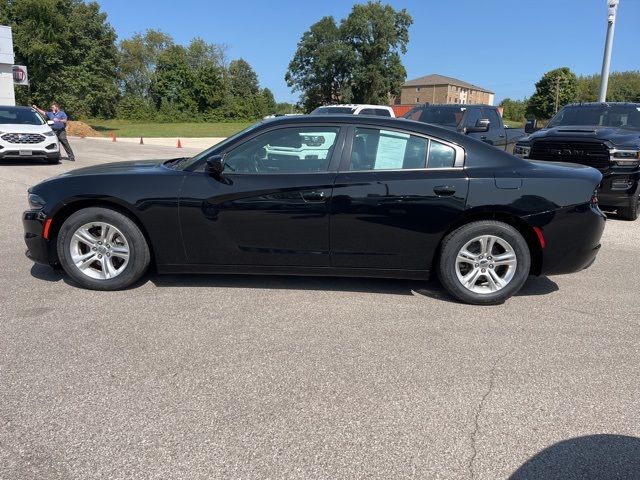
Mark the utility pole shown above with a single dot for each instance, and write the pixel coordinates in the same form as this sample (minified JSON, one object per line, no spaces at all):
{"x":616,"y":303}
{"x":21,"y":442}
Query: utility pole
{"x":606,"y":61}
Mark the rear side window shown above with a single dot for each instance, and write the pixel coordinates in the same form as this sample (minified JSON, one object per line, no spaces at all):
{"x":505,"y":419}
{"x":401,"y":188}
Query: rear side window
{"x":376,"y":149}
{"x":440,"y":155}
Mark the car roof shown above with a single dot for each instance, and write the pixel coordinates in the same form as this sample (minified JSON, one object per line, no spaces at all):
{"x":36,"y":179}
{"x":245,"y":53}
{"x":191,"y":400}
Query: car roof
{"x":370,"y":120}
{"x":453,"y":105}
{"x":607,"y":104}
{"x":355,"y":105}
{"x":16,"y":107}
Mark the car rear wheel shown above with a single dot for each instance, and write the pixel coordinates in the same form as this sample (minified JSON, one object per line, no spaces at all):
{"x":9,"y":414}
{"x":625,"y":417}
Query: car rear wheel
{"x":102,"y":249}
{"x":484,"y":263}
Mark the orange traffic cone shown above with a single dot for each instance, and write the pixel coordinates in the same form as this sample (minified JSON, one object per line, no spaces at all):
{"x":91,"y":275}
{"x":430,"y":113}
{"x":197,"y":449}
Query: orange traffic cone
{"x":179,"y":144}
{"x":141,"y":142}
{"x":113,"y":137}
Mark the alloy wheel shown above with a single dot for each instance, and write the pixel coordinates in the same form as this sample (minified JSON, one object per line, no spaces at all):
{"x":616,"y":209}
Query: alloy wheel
{"x":486,"y":264}
{"x":99,"y":250}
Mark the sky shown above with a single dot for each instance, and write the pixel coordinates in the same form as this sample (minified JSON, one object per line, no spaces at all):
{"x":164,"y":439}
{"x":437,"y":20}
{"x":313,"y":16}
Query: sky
{"x":502,"y":45}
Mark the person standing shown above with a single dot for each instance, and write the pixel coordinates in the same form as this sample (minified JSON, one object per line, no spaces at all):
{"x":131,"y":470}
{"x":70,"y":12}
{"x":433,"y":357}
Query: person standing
{"x":59,"y":126}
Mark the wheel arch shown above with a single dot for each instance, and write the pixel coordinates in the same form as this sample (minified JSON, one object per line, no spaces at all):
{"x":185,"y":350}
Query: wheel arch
{"x":63,"y":213}
{"x":526,"y":230}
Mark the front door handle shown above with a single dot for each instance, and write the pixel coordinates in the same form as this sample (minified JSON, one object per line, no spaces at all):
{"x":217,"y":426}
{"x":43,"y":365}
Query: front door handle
{"x":315,"y":196}
{"x":444,"y":190}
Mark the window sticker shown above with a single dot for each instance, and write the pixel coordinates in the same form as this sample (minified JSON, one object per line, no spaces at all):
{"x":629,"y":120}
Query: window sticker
{"x":391,"y":150}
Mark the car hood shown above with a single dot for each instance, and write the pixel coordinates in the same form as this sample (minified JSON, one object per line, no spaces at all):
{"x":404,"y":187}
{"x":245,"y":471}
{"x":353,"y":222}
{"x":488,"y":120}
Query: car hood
{"x":617,"y":136}
{"x":23,"y":128}
{"x":116,"y":168}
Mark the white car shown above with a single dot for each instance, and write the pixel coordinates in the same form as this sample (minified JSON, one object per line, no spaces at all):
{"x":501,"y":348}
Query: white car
{"x":355,"y":109}
{"x":25,"y":134}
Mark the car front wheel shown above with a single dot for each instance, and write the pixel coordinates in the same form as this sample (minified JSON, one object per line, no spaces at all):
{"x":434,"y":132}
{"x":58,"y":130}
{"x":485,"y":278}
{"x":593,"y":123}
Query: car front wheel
{"x":102,"y":249}
{"x":484,"y":263}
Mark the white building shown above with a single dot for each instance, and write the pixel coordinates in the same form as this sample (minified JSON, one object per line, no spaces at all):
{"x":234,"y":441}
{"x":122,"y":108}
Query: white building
{"x":7,"y":96}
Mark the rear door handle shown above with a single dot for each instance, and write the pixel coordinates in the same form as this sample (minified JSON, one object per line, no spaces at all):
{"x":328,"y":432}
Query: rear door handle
{"x":315,"y":196}
{"x":444,"y":190}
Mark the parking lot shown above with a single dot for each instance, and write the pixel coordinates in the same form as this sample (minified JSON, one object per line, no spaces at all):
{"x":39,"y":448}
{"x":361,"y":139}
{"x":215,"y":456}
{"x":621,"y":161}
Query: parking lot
{"x":289,"y":377}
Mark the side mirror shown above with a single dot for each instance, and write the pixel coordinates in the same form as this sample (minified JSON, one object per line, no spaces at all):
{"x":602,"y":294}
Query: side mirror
{"x":50,"y":122}
{"x":215,"y":165}
{"x":482,"y":125}
{"x":531,"y":126}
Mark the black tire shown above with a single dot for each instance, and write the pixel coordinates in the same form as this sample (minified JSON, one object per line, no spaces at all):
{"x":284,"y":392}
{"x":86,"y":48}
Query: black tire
{"x":456,"y":240}
{"x":632,"y":211}
{"x":54,"y":160}
{"x":139,"y":255}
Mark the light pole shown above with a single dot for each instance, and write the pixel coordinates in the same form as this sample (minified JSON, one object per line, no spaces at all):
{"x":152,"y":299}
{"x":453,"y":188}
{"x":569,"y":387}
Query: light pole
{"x":606,"y":61}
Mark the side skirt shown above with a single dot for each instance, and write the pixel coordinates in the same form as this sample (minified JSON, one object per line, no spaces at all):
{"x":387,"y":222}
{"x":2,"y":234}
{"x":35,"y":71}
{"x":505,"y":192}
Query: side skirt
{"x":306,"y":271}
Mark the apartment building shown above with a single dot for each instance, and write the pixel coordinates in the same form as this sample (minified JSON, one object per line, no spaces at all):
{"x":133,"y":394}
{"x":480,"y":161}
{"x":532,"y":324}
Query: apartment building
{"x":436,"y":88}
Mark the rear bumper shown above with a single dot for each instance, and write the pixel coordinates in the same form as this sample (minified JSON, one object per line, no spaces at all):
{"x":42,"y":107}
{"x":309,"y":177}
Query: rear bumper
{"x":572,"y":236}
{"x":38,"y":248}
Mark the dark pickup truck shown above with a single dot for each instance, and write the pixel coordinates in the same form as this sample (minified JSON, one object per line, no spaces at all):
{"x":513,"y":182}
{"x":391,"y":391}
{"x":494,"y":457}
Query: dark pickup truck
{"x":605,"y":136}
{"x":478,"y":121}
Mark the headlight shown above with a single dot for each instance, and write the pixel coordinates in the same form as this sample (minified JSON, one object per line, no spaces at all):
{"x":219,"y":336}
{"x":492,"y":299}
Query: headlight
{"x":625,"y":158}
{"x":521,"y":151}
{"x":50,"y":133}
{"x":35,"y":201}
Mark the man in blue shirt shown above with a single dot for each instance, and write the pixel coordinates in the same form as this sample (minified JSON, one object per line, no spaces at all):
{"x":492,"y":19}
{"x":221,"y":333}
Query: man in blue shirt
{"x":59,"y":126}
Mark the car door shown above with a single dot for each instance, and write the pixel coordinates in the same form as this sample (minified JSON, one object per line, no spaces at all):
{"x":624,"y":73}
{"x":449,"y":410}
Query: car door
{"x":270,"y":206}
{"x":496,"y":134}
{"x":394,"y":196}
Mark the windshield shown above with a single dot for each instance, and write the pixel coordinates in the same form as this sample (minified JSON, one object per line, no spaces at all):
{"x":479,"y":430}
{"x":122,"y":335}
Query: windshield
{"x":448,"y":116}
{"x":619,"y":116}
{"x":184,"y":163}
{"x":20,"y":116}
{"x":332,"y":110}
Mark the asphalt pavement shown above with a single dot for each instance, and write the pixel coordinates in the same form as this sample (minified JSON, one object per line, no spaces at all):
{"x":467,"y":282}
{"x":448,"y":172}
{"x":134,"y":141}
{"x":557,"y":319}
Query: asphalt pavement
{"x":242,"y":377}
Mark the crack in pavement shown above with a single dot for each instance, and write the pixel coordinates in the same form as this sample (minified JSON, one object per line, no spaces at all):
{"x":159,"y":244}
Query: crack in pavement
{"x":481,"y":406}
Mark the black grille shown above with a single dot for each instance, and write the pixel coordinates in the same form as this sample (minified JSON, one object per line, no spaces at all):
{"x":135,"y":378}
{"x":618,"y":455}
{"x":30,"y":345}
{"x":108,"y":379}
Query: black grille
{"x":592,"y":154}
{"x":23,"y":138}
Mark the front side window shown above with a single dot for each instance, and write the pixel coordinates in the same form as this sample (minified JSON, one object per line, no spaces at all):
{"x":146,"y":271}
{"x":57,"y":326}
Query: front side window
{"x":285,"y":150}
{"x":375,"y":149}
{"x":492,"y":116}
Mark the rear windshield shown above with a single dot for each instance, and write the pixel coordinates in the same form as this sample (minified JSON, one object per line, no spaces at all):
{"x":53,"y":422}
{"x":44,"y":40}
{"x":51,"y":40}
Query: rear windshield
{"x":332,"y":110}
{"x":21,"y":116}
{"x":620,"y":116}
{"x":448,"y":116}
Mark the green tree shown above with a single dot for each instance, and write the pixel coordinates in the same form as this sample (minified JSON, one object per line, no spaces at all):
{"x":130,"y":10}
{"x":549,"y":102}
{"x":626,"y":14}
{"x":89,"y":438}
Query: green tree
{"x":268,"y":102}
{"x":555,"y":89}
{"x":514,"y":109}
{"x":171,"y":88}
{"x":69,"y":48}
{"x":137,"y":59}
{"x":377,"y":34}
{"x":622,"y":87}
{"x":243,"y":100}
{"x":358,"y":61}
{"x":321,"y":66}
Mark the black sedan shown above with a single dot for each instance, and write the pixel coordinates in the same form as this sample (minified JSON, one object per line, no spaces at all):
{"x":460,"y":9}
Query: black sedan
{"x":337,"y":195}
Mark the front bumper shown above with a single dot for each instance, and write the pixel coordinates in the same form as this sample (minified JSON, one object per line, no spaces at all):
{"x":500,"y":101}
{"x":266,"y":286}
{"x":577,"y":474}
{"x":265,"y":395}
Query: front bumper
{"x":618,"y":186}
{"x":39,"y":249}
{"x":47,"y":149}
{"x":572,"y":236}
